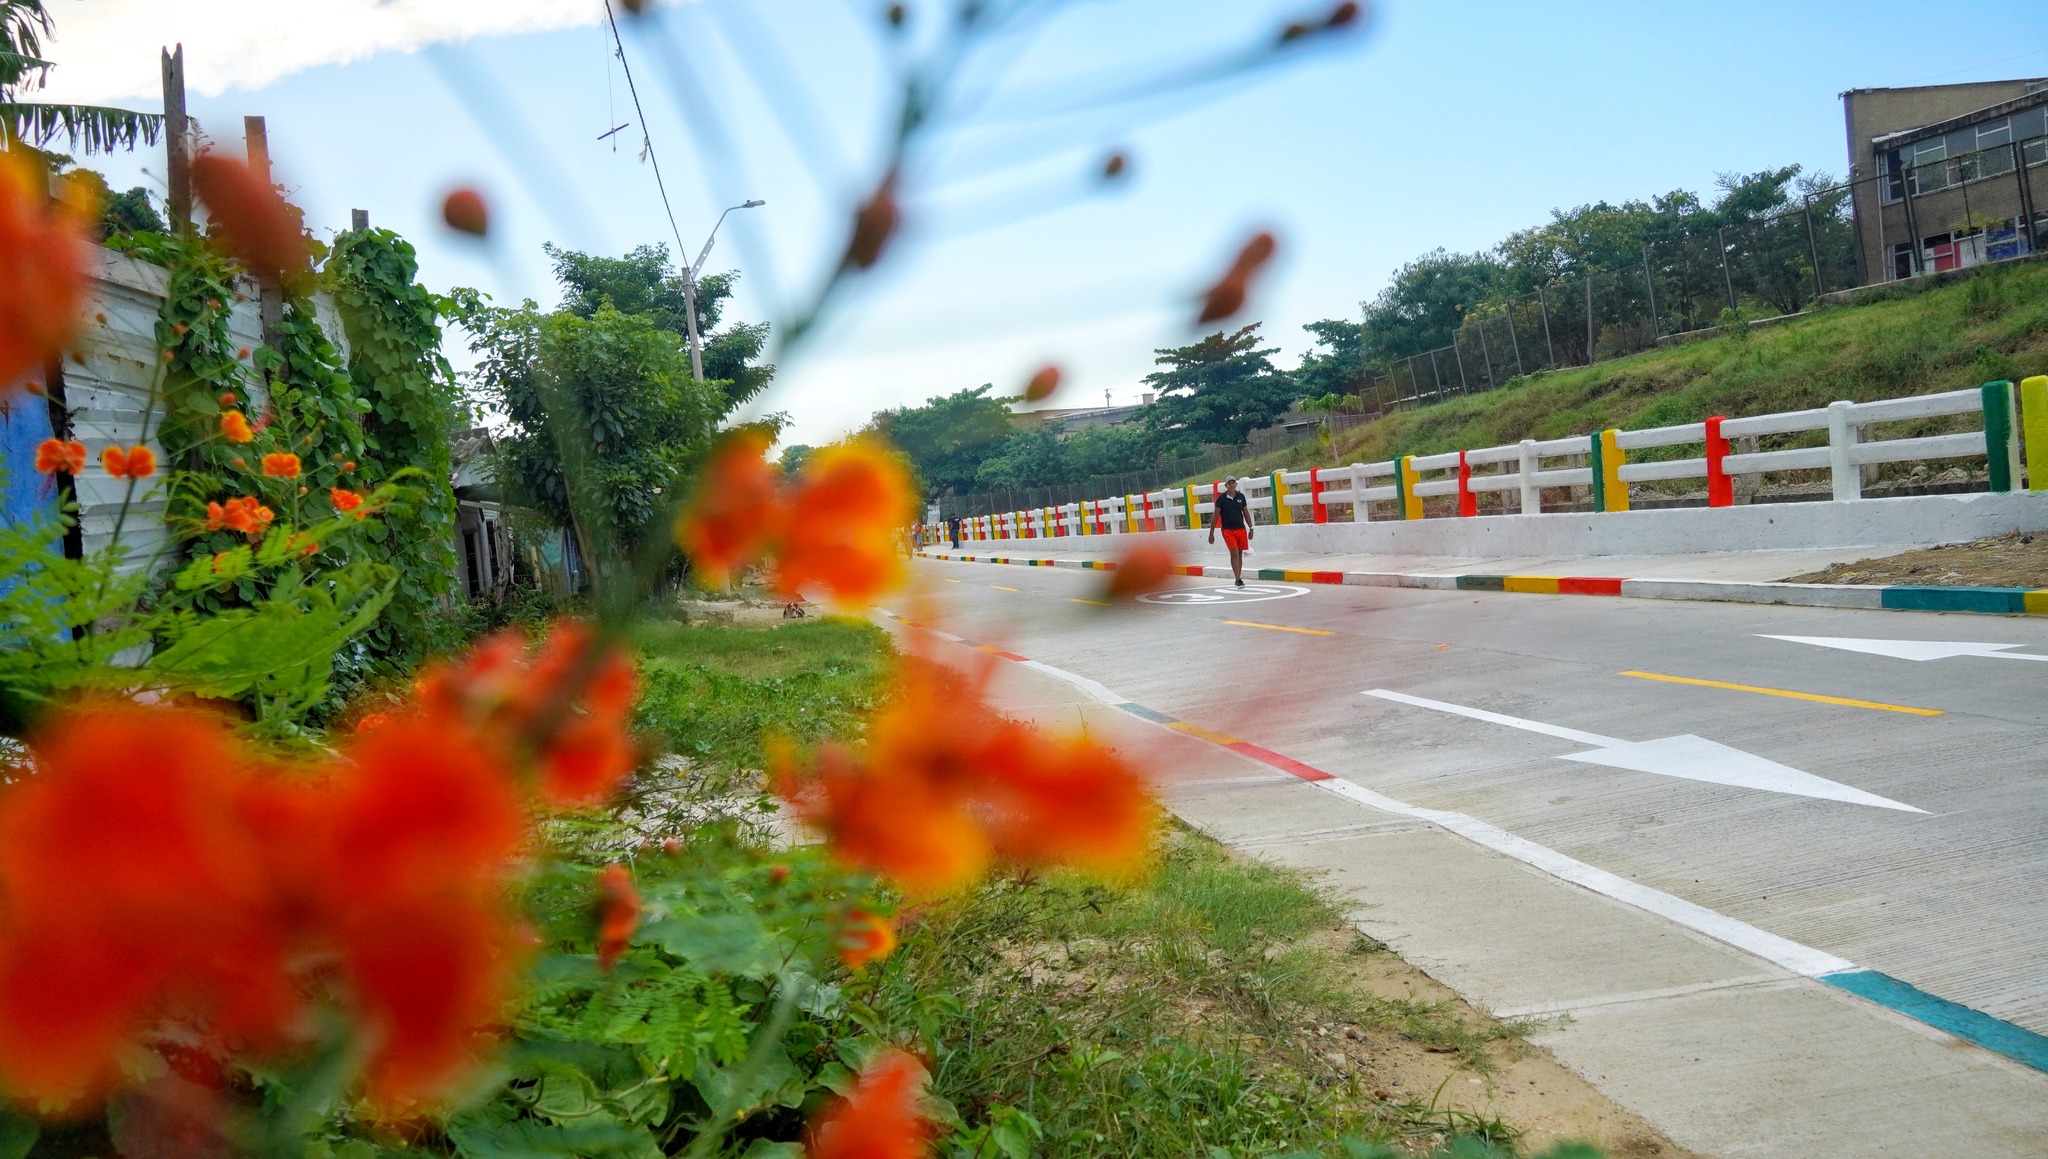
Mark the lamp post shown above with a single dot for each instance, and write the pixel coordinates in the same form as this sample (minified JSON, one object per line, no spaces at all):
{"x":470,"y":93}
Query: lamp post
{"x":690,"y":290}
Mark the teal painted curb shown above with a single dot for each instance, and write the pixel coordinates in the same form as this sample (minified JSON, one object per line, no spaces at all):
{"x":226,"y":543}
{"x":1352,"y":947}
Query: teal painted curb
{"x":1482,"y":583}
{"x":1932,"y":599}
{"x":1994,"y":1034}
{"x":1271,"y":573}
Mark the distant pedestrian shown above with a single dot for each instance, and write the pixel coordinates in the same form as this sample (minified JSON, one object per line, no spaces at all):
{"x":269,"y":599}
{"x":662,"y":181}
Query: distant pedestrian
{"x":953,"y":530}
{"x":1233,"y":517}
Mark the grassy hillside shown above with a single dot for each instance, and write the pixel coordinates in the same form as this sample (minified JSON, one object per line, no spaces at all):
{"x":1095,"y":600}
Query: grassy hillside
{"x":1989,"y":327}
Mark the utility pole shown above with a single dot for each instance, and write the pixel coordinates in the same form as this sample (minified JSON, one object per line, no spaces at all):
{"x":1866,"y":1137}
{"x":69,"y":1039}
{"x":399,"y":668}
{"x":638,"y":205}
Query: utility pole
{"x":269,"y":283}
{"x":177,"y":144}
{"x":690,"y":290}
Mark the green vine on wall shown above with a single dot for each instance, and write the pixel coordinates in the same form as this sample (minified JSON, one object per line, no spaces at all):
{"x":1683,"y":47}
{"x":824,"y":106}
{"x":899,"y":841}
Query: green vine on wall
{"x":411,"y":408}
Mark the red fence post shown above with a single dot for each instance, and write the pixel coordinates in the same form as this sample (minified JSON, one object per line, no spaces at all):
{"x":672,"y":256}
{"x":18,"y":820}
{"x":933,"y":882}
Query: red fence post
{"x":1468,"y":503}
{"x":1315,"y":495}
{"x":1720,"y":488}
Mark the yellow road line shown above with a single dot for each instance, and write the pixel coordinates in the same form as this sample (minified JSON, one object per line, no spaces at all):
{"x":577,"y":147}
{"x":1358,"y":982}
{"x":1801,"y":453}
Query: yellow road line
{"x":1001,"y":588}
{"x":952,"y":581}
{"x":1841,"y":700}
{"x":1196,"y":730}
{"x":1097,"y":603}
{"x":1280,"y":628}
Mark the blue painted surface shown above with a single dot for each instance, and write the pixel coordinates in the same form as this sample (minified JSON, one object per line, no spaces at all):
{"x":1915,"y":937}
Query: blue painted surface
{"x":1143,"y":713}
{"x":1908,"y":597}
{"x":28,"y":497}
{"x":2014,"y":1042}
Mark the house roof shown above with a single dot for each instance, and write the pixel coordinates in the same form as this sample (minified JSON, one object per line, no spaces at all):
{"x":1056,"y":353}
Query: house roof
{"x":1920,"y":133}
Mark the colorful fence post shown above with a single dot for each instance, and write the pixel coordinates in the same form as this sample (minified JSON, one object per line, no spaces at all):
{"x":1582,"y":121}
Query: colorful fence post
{"x":1468,"y":503}
{"x":2034,"y":413}
{"x":2001,"y":436}
{"x":1317,"y":512}
{"x":1188,"y":498}
{"x":1720,"y":488}
{"x":1405,"y":479}
{"x":1130,"y":521}
{"x":1282,"y":513}
{"x":1609,"y":492}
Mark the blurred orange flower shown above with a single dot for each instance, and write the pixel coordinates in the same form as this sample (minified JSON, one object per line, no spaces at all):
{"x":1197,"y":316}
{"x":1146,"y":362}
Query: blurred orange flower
{"x":844,"y":517}
{"x":126,"y":889}
{"x":945,"y":786}
{"x":864,"y":938}
{"x":251,"y":218}
{"x":618,"y":914}
{"x":54,"y":456}
{"x":1141,"y":571}
{"x":137,"y":462}
{"x":281,"y":465}
{"x":881,"y":1119}
{"x":465,"y":212}
{"x":1227,"y":296}
{"x":45,"y":265}
{"x":736,"y":511}
{"x":242,"y":515}
{"x":234,"y":427}
{"x":344,"y":500}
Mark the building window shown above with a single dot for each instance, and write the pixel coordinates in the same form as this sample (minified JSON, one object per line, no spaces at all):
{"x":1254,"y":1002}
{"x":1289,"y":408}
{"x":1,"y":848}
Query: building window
{"x":1891,"y":175}
{"x":1929,"y":167}
{"x":469,"y":556}
{"x":1902,"y":260}
{"x":1994,"y":133}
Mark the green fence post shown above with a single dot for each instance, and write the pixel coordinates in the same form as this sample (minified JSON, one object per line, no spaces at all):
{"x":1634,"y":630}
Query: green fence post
{"x":2001,"y":441}
{"x":1599,"y":473}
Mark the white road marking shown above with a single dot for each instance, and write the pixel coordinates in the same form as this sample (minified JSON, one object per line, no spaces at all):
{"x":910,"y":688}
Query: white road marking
{"x":1686,"y":757}
{"x":1913,"y":649}
{"x":1227,"y":594}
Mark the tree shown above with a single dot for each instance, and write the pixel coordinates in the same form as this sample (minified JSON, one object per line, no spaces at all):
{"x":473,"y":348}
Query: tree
{"x":606,"y":419}
{"x":94,"y":128}
{"x":1426,"y":302}
{"x":1110,"y":450}
{"x":947,"y":438}
{"x":1336,"y":361}
{"x":1032,"y":458}
{"x":792,"y":458}
{"x":1220,"y":389}
{"x":645,"y":285}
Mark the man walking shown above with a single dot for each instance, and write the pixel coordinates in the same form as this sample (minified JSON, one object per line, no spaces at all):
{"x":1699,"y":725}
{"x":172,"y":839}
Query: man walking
{"x":1233,"y":516}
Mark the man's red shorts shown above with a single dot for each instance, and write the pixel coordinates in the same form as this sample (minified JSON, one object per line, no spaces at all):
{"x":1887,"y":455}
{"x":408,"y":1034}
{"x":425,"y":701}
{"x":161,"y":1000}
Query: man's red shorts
{"x":1236,"y":538}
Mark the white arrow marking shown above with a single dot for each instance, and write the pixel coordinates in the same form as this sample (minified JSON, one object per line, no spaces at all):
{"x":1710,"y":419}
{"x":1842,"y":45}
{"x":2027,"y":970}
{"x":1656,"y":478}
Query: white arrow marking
{"x":1688,"y":757}
{"x":1912,"y":649}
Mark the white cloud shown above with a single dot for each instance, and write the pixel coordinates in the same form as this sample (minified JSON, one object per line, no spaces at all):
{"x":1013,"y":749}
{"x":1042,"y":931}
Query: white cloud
{"x":106,"y":50}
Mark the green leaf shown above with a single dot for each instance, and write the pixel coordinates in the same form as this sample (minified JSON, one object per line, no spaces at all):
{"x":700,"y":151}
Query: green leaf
{"x":716,"y":943}
{"x":777,"y":1083}
{"x":763,"y":1149}
{"x":18,"y":1135}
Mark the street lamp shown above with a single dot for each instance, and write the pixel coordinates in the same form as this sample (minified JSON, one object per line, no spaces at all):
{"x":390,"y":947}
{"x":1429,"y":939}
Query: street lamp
{"x":690,"y":290}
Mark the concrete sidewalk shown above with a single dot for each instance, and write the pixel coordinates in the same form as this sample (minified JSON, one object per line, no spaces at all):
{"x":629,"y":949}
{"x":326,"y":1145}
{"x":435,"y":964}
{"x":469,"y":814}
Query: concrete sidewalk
{"x":1754,"y":577}
{"x":1728,"y":1053}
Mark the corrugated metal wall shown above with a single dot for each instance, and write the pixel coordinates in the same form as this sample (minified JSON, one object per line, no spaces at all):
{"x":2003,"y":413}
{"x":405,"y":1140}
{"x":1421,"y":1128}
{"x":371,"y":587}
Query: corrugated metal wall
{"x":107,"y":382}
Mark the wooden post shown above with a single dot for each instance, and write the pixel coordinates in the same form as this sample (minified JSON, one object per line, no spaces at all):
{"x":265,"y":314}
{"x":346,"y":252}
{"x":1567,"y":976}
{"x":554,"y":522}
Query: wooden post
{"x":359,"y":219}
{"x":269,"y":283}
{"x":177,"y":143}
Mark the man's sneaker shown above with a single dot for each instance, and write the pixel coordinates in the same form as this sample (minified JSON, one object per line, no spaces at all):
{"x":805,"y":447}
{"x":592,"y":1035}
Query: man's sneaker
{"x":1240,"y":583}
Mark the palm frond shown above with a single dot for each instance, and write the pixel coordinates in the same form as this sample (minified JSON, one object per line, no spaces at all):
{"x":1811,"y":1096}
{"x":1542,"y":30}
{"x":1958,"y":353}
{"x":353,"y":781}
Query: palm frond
{"x":23,"y":24}
{"x":94,"y":128}
{"x":15,"y":68}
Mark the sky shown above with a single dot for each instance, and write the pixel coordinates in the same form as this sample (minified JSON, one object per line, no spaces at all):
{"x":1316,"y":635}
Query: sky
{"x":1443,"y":123}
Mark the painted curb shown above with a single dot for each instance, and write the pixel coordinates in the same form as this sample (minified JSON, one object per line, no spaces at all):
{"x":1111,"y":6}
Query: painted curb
{"x":1871,"y":597}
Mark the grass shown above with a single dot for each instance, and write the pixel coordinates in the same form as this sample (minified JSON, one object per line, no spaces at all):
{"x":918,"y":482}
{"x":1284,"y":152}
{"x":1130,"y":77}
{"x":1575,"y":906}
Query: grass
{"x":1989,"y":327}
{"x":715,"y":692}
{"x":1176,"y":1018}
{"x":1193,"y":1014}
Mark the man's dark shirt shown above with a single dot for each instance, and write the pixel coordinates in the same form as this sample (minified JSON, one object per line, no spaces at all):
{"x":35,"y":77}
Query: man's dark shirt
{"x":1230,"y":511}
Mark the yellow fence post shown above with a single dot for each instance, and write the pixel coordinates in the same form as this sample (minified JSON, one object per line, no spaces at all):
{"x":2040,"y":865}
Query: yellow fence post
{"x":2034,"y":425}
{"x":1282,"y":513}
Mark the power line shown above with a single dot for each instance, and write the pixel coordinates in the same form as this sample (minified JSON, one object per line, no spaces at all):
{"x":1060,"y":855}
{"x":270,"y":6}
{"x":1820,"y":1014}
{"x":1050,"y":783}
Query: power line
{"x":647,"y":137}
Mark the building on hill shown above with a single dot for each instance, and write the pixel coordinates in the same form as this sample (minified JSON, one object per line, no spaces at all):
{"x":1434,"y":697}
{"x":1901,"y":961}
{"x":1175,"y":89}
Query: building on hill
{"x":1064,"y":421}
{"x":1947,"y":175}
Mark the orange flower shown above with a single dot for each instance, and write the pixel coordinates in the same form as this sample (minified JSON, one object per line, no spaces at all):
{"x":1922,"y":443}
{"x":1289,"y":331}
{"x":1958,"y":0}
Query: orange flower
{"x":343,"y":500}
{"x":137,"y":462}
{"x":129,"y":891}
{"x":305,"y":545}
{"x":1042,"y":384}
{"x":865,"y":938}
{"x":567,"y":709}
{"x":45,"y":265}
{"x":618,"y":914}
{"x":427,"y":832}
{"x":281,"y":465}
{"x":465,"y":212}
{"x":251,"y":218}
{"x":242,"y":515}
{"x":880,"y":1119}
{"x":842,"y":524}
{"x":1226,"y":297}
{"x":60,"y":455}
{"x":946,"y":786}
{"x":234,"y":427}
{"x":1141,"y":571}
{"x":736,"y":511}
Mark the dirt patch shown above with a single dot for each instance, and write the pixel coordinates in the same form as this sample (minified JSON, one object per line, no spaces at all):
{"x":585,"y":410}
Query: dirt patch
{"x":747,"y":611}
{"x":2013,"y":560}
{"x":1524,"y":1086}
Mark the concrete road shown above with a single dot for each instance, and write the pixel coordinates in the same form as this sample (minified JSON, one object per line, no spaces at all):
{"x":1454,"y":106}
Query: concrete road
{"x":1654,"y":825}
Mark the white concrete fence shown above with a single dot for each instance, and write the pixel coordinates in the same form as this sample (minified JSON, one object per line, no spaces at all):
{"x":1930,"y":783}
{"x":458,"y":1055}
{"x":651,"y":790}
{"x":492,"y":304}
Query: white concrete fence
{"x":1526,"y":469}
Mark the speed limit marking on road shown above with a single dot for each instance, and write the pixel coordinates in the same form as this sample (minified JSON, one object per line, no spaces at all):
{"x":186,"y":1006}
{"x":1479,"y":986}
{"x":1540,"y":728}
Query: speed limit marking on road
{"x":1249,"y":594}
